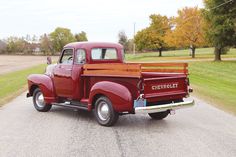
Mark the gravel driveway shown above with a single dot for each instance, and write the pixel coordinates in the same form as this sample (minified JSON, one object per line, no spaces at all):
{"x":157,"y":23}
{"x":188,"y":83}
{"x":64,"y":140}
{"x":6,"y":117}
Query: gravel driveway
{"x":10,"y":63}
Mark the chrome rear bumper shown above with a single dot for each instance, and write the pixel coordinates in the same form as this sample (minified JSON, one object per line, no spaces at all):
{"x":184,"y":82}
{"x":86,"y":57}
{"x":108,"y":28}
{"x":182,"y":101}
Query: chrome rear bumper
{"x":165,"y":107}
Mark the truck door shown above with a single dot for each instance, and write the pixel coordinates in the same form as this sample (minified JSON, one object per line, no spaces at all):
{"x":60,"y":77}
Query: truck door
{"x":63,"y":74}
{"x":78,"y":83}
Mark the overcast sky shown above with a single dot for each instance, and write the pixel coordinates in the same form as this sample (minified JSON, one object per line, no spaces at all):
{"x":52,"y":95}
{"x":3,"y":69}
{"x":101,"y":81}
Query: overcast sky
{"x":100,"y":19}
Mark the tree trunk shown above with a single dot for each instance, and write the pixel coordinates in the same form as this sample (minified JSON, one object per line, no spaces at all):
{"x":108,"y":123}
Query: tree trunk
{"x":218,"y":53}
{"x":193,"y":51}
{"x":160,"y":52}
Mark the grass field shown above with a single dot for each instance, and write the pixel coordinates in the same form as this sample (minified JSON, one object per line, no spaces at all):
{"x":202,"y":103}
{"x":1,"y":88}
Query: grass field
{"x":14,"y":83}
{"x":201,"y":53}
{"x":215,"y":82}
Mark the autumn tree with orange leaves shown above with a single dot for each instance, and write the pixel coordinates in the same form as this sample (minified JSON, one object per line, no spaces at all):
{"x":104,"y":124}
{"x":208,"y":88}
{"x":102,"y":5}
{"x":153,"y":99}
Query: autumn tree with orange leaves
{"x":153,"y":37}
{"x":188,"y":30}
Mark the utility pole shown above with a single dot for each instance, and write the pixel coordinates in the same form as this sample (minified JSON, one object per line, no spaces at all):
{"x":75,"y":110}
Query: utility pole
{"x":133,"y":40}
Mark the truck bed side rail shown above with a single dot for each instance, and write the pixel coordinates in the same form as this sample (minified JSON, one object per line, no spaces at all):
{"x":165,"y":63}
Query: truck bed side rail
{"x":133,"y":69}
{"x":165,"y":67}
{"x":113,"y":69}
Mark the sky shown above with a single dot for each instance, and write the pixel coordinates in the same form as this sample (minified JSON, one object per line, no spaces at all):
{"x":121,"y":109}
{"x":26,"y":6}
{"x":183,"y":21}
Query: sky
{"x":100,"y":19}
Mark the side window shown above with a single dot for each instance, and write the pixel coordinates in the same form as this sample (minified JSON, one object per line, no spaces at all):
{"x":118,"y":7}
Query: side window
{"x":67,"y":57}
{"x":80,"y":56}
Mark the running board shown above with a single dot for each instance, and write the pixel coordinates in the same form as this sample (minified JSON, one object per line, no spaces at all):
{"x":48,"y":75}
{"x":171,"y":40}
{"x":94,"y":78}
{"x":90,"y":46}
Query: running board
{"x":72,"y":105}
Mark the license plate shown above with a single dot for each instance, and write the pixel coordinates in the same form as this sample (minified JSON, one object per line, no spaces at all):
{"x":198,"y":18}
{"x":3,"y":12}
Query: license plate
{"x":140,"y":103}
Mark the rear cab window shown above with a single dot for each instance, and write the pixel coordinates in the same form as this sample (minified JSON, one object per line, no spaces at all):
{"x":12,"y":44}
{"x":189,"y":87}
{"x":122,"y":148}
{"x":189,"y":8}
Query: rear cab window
{"x":104,"y":54}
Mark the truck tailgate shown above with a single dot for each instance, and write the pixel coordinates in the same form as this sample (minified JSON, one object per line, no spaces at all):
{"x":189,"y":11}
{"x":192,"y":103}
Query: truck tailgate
{"x":162,"y":88}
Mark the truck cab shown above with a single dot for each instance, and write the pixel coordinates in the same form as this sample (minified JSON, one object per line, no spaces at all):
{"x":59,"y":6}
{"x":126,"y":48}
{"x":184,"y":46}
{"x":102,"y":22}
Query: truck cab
{"x":93,"y":76}
{"x":67,"y":72}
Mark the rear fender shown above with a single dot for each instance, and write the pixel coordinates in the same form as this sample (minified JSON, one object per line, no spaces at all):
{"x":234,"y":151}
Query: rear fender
{"x":118,"y":94}
{"x":45,"y":83}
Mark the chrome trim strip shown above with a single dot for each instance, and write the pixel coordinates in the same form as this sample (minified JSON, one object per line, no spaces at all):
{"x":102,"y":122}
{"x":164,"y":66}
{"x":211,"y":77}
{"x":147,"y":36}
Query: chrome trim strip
{"x":165,"y":107}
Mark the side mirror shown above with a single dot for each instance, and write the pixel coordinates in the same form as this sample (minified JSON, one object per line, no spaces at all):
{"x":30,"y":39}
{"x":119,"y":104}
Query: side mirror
{"x":49,"y":60}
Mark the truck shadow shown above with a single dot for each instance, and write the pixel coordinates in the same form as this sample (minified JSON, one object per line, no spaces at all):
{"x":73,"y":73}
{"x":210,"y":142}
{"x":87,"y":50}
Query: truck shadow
{"x":125,"y":121}
{"x":140,"y":121}
{"x":68,"y":112}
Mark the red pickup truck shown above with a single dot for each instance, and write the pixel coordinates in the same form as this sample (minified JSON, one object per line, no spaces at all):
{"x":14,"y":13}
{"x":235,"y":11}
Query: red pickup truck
{"x":93,"y":76}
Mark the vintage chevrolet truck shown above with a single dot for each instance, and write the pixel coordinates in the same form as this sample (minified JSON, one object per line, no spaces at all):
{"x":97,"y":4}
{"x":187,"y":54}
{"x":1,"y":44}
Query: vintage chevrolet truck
{"x":93,"y":76}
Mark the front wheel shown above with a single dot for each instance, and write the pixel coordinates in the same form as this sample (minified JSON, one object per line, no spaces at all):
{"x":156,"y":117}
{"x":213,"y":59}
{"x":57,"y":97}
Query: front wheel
{"x":159,"y":115}
{"x":38,"y":101}
{"x":104,"y":112}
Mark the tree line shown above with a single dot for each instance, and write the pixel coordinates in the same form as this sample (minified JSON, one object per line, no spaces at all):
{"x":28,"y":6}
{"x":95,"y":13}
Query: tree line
{"x":48,"y":44}
{"x":213,"y":26}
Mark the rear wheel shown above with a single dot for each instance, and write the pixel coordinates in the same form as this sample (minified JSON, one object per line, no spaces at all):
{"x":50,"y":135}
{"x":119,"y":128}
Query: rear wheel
{"x":159,"y":115}
{"x":38,"y":101}
{"x":104,"y":112}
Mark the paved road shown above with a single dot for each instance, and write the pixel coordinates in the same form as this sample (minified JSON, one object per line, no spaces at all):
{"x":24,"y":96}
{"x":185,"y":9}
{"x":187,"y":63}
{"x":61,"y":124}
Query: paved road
{"x":199,"y":131}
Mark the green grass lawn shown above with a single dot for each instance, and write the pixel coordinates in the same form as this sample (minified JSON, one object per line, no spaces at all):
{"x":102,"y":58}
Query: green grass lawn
{"x":201,"y":53}
{"x":14,"y":83}
{"x":215,"y":82}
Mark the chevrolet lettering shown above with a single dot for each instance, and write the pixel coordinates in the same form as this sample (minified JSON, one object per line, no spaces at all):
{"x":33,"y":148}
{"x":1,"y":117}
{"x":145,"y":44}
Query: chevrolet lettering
{"x":165,"y":86}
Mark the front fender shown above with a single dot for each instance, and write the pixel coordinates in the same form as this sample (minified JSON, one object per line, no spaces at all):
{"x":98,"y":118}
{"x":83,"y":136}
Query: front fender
{"x":45,"y":83}
{"x":118,"y":94}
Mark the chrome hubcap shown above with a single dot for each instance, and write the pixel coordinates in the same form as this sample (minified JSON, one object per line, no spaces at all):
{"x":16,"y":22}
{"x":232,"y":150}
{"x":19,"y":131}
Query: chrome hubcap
{"x":39,"y":100}
{"x":103,"y":111}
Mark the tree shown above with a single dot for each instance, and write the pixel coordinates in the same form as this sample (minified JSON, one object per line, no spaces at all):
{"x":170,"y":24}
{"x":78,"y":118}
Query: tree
{"x":153,"y":37}
{"x":221,"y":18}
{"x":122,"y":39}
{"x":158,"y":28}
{"x":81,"y":36}
{"x":29,"y":46}
{"x":46,"y":44}
{"x":60,"y":37}
{"x":188,"y":30}
{"x":15,"y":44}
{"x":130,"y":45}
{"x":3,"y":46}
{"x":141,"y":39}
